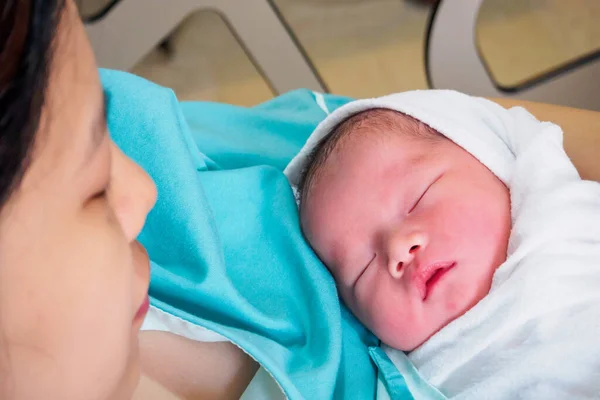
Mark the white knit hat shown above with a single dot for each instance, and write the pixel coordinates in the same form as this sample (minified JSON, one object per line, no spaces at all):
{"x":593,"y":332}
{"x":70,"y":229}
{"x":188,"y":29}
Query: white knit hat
{"x":481,"y":127}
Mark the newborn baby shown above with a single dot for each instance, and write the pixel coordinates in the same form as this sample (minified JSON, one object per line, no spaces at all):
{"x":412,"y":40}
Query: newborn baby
{"x":460,"y":233}
{"x":411,"y":226}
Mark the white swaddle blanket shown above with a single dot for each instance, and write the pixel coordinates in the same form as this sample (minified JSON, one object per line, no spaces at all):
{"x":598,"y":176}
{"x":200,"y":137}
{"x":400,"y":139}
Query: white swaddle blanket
{"x":536,"y":335}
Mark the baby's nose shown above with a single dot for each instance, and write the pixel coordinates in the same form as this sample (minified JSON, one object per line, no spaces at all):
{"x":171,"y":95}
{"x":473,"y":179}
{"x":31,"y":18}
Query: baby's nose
{"x":402,"y":248}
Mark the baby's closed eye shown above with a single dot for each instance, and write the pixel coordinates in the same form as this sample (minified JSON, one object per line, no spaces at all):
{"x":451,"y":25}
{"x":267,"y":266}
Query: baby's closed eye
{"x":363,"y":270}
{"x":417,"y":201}
{"x":422,"y":194}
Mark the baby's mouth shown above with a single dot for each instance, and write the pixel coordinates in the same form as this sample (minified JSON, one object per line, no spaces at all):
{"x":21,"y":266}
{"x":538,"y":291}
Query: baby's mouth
{"x":429,"y":277}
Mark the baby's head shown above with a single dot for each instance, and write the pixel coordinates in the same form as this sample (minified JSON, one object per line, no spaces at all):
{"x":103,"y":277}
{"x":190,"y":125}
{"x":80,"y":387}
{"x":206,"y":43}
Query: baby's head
{"x":411,"y":225}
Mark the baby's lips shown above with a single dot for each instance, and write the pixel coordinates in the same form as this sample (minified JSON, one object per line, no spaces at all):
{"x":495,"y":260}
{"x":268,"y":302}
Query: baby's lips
{"x":424,"y":274}
{"x":421,"y":286}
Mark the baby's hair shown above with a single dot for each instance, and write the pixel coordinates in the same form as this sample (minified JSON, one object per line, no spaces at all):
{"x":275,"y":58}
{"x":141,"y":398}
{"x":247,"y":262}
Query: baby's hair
{"x":376,"y":120}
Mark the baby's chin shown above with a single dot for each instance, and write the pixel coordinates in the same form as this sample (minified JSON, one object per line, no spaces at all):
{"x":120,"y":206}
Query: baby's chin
{"x":408,"y":340}
{"x":407,"y":343}
{"x":405,"y":340}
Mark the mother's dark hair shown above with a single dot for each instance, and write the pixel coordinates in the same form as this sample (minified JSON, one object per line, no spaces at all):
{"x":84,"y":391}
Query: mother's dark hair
{"x":27,"y":32}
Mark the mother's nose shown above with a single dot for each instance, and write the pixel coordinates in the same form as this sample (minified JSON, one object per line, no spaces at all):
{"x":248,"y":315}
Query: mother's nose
{"x":133,"y":194}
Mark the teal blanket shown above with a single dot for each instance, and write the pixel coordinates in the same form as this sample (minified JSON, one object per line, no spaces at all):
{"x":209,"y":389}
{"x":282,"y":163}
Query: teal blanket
{"x":226,"y":248}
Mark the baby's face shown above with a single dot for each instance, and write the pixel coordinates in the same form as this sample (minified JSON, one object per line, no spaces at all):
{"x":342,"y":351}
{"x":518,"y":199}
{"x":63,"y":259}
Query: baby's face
{"x":411,"y":230}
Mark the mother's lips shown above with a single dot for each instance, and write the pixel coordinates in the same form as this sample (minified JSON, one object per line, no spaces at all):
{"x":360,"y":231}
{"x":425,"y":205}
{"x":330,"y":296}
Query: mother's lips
{"x":426,"y":278}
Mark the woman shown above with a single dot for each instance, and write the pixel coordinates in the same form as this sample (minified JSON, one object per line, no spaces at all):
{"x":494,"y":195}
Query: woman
{"x":72,"y":206}
{"x":69,"y":222}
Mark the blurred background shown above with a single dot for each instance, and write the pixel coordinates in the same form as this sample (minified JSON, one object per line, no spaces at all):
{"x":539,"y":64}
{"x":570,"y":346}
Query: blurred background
{"x":364,"y":48}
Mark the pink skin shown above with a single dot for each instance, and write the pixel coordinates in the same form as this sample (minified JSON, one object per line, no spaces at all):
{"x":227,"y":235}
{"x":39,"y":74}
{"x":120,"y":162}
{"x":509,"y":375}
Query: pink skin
{"x":411,"y":230}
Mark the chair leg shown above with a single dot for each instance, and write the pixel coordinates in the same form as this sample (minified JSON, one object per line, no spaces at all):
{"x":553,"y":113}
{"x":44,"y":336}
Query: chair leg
{"x":133,"y":27}
{"x":272,"y":47}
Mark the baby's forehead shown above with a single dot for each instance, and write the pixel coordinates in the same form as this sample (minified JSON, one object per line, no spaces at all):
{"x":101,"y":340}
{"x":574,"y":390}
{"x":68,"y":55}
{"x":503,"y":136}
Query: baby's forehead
{"x":368,"y":125}
{"x":378,"y":124}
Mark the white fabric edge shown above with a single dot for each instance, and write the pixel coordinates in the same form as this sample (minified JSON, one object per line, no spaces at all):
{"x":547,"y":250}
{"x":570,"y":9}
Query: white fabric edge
{"x":158,"y":320}
{"x":403,"y":102}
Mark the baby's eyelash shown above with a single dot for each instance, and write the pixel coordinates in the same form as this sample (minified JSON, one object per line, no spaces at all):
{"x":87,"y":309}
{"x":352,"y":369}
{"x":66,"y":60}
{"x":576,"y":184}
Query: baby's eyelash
{"x":364,"y":270}
{"x":418,"y":200}
{"x":423,"y":194}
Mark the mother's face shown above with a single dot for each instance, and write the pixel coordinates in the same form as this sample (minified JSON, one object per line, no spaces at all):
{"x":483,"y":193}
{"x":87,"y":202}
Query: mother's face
{"x":72,"y":278}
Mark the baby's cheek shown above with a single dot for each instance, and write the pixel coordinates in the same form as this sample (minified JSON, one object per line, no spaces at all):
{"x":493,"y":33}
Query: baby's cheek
{"x":476,"y":231}
{"x":468,"y":223}
{"x":376,"y":306}
{"x":454,"y":301}
{"x":461,"y":296}
{"x":389,"y":326}
{"x":487,"y":242}
{"x":397,"y":322}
